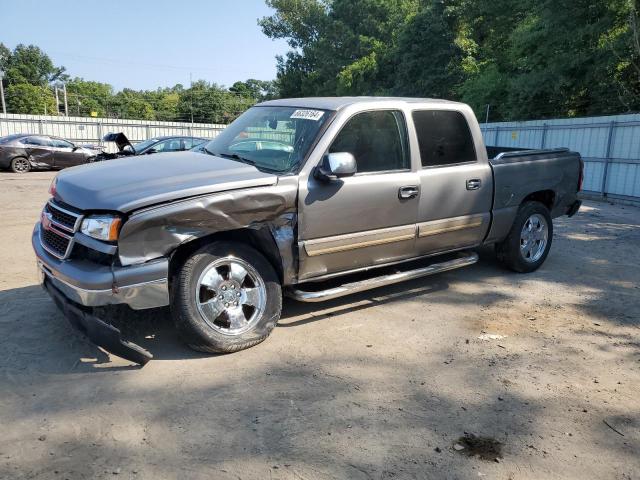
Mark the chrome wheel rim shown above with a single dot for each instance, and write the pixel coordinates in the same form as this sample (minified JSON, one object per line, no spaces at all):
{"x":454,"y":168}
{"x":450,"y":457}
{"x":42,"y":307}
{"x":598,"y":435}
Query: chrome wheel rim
{"x":21,"y":165}
{"x":231,"y":296}
{"x":534,"y":238}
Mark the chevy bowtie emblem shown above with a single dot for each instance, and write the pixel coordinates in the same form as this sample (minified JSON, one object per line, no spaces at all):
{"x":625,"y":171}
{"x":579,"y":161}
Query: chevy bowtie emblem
{"x":45,"y":219}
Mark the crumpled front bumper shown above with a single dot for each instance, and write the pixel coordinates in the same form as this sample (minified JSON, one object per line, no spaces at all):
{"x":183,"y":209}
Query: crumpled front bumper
{"x":100,"y":333}
{"x":92,"y":284}
{"x":77,"y":285}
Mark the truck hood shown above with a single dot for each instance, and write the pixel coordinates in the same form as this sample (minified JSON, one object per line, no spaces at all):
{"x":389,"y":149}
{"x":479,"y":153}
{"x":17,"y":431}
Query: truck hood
{"x":128,"y":184}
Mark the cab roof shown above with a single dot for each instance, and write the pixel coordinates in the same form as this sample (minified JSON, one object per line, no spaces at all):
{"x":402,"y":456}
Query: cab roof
{"x":337,"y":103}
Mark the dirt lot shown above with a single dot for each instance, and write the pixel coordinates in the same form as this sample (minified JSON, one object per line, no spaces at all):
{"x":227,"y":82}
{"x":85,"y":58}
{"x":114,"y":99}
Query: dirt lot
{"x":380,"y":385}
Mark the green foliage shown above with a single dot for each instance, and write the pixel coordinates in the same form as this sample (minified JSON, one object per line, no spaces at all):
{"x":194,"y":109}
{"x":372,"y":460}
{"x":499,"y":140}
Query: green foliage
{"x":29,"y":64}
{"x":260,"y":90}
{"x":525,"y":58}
{"x":31,"y":99}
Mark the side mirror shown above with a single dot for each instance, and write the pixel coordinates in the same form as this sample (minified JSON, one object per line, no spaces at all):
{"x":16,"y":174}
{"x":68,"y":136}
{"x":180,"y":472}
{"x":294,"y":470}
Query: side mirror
{"x":336,"y":165}
{"x":150,"y":151}
{"x":75,"y":148}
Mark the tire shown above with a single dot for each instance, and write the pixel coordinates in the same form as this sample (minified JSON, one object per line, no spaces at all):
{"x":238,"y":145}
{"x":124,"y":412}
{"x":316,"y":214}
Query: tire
{"x":525,"y":249}
{"x":20,"y":165}
{"x":210,"y":318}
{"x":90,"y":159}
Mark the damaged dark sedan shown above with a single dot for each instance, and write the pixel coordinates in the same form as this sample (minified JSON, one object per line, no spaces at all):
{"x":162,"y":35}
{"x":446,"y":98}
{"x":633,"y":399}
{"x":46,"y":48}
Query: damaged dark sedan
{"x":23,"y":152}
{"x":175,"y":143}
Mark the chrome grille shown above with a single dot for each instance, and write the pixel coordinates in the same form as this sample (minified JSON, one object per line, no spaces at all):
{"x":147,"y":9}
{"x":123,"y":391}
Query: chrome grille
{"x":57,"y":227}
{"x":63,"y":218}
{"x":55,"y":243}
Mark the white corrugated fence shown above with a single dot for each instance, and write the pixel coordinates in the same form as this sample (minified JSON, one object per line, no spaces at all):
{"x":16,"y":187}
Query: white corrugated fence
{"x":92,"y":130}
{"x":610,"y":148}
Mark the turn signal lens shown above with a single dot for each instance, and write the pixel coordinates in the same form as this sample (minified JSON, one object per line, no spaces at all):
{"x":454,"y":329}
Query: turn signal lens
{"x":52,"y":187}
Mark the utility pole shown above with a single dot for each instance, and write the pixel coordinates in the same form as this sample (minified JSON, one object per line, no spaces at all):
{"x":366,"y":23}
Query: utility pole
{"x":191,"y":84}
{"x":57,"y":100}
{"x":486,"y":118}
{"x":4,"y":105}
{"x":66,"y":105}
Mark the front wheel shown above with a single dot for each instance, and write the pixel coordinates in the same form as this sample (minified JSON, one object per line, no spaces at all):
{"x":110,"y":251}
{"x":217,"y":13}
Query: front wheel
{"x":226,"y":297}
{"x":527,"y":245}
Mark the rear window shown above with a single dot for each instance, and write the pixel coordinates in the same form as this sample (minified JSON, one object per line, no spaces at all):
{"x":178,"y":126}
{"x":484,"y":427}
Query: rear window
{"x":444,"y":138}
{"x":8,"y":138}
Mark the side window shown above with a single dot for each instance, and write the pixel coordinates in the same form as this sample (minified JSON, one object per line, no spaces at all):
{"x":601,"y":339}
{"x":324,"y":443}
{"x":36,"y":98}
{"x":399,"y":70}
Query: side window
{"x":171,"y":145}
{"x":38,"y":141}
{"x":377,"y":140}
{"x":444,"y":138}
{"x":58,"y":142}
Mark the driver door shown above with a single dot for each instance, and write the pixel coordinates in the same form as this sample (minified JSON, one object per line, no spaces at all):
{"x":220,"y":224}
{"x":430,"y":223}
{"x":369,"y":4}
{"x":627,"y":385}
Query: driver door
{"x":365,"y":219}
{"x":65,"y":155}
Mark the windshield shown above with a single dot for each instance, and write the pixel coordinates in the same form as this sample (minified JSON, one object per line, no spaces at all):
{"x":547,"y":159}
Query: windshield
{"x":139,"y":147}
{"x":272,"y":138}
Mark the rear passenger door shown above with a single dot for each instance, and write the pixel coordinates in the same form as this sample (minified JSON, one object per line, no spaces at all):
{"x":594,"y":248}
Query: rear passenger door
{"x":456,"y":183}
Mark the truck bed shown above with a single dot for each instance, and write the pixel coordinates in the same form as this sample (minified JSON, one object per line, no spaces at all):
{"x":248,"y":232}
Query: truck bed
{"x":553,"y":174}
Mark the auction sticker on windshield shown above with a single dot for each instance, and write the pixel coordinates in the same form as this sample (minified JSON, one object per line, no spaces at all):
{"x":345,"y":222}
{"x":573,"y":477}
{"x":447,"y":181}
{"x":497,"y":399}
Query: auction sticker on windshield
{"x":314,"y":115}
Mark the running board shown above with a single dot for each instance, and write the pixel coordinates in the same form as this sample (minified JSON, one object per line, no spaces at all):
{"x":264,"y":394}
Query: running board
{"x":466,"y":259}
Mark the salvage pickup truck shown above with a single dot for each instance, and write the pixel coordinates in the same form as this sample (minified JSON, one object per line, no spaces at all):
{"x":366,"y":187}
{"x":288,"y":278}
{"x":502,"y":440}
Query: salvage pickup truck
{"x":291,"y":194}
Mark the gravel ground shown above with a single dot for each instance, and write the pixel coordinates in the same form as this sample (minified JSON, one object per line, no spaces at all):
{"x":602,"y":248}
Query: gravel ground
{"x":476,"y":373}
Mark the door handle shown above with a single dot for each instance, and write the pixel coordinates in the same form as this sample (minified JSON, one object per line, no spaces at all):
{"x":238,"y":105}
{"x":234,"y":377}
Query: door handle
{"x":409,"y":191}
{"x":474,"y":184}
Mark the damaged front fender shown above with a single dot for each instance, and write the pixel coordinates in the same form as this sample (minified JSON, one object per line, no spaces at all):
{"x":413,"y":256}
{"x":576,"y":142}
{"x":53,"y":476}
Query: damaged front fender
{"x":157,"y":231}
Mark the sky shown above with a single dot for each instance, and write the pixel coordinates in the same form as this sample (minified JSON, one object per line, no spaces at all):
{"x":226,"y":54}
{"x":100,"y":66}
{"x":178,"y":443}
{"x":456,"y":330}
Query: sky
{"x":145,"y":44}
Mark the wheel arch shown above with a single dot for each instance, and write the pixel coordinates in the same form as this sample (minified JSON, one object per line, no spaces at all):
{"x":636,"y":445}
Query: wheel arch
{"x":545,"y":197}
{"x":260,"y":239}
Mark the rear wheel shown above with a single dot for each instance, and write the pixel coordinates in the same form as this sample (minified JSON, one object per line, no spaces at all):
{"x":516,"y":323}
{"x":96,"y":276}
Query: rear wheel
{"x":526,"y":247}
{"x":20,"y":165}
{"x":226,"y":297}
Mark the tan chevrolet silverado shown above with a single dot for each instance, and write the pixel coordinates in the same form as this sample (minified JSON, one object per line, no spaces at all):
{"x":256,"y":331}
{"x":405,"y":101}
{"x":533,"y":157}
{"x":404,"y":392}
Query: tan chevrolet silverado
{"x":291,"y":198}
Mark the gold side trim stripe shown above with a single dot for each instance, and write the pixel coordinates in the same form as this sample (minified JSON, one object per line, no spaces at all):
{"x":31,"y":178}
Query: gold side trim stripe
{"x":353,"y":241}
{"x":438,"y":227}
{"x":426,"y":233}
{"x":321,"y":251}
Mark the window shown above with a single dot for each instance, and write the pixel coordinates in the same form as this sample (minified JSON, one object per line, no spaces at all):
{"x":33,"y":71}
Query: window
{"x":189,"y":143}
{"x":38,"y":141}
{"x":377,"y":140}
{"x":171,"y":145}
{"x":59,"y":143}
{"x":444,"y":138}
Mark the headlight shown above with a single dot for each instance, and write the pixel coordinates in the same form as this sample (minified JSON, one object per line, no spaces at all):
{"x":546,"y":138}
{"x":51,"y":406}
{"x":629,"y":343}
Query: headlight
{"x":102,"y":227}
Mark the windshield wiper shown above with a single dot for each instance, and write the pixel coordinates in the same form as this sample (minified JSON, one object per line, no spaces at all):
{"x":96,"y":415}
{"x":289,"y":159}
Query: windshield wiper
{"x":234,"y":156}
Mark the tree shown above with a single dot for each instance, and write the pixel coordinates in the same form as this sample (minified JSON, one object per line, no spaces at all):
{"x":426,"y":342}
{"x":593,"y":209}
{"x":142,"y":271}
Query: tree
{"x":256,"y":89}
{"x":30,"y":99}
{"x":429,"y":58}
{"x":132,"y":105}
{"x":526,"y":58}
{"x":338,"y":47}
{"x":29,"y":64}
{"x":88,"y":97}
